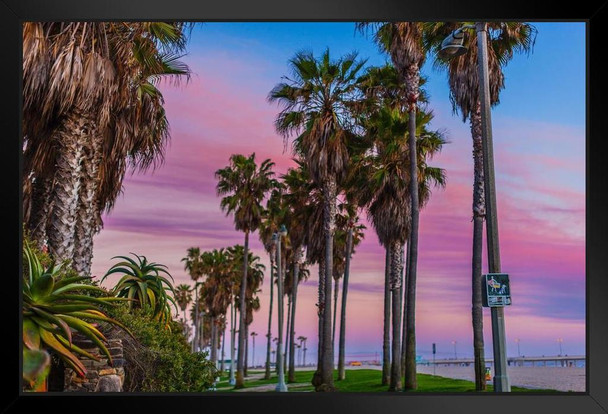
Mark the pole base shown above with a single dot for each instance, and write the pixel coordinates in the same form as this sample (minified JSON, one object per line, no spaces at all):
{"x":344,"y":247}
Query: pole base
{"x":281,"y":387}
{"x":501,"y":383}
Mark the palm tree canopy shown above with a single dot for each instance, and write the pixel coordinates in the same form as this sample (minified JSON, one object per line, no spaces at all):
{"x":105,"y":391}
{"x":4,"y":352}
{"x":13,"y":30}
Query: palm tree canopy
{"x":403,"y":41}
{"x":244,"y":186}
{"x":317,"y":102}
{"x":183,"y":295}
{"x":193,"y":263}
{"x":109,"y":72}
{"x":386,"y":171}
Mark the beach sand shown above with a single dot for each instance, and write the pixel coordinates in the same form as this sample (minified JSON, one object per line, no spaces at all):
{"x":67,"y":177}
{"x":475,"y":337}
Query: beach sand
{"x":555,"y":378}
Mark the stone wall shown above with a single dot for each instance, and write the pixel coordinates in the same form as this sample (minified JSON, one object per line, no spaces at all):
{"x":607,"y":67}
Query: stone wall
{"x":100,"y":376}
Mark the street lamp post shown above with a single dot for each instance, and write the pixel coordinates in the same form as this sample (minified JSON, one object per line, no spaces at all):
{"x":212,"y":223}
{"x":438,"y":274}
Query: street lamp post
{"x":253,"y":335}
{"x":560,"y":341}
{"x":453,"y":46}
{"x":281,"y":386}
{"x":455,"y":353}
{"x":518,"y":351}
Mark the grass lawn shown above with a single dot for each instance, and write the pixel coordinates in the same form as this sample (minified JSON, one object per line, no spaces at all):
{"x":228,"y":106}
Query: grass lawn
{"x":368,"y":380}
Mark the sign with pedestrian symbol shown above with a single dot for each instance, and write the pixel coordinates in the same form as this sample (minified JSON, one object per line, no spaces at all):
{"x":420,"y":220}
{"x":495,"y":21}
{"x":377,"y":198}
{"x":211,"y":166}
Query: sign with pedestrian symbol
{"x":496,"y":291}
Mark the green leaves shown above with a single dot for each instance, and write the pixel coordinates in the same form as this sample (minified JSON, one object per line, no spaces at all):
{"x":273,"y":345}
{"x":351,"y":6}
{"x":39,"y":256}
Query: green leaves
{"x":55,"y":307}
{"x":143,"y":284}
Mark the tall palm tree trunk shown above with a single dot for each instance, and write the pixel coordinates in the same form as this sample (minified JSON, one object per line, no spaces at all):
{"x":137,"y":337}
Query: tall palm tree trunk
{"x":335,"y":310}
{"x":479,"y":213}
{"x":222,"y":361}
{"x":396,"y":282}
{"x":287,"y":333}
{"x":386,"y":338}
{"x":68,"y":178}
{"x":231,"y":379}
{"x":404,"y":307}
{"x":412,"y":80}
{"x":316,"y":379}
{"x":246,"y":350}
{"x":342,"y":340}
{"x":242,"y":313}
{"x":291,"y":376}
{"x":88,"y":220}
{"x":201,"y":326}
{"x":213,"y":340}
{"x":329,"y":225}
{"x":38,"y":212}
{"x":269,"y":334}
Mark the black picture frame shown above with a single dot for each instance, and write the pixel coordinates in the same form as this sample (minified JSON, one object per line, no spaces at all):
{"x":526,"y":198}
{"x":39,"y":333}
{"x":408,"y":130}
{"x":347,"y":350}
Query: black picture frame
{"x":595,"y":13}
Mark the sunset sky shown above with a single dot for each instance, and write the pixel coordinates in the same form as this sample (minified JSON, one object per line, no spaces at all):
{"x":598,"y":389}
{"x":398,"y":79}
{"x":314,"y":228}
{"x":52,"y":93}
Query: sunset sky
{"x":539,"y":139}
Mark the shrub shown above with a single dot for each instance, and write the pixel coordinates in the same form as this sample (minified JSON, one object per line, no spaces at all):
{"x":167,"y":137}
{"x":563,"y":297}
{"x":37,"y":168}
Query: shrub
{"x":160,"y":360}
{"x":36,"y":367}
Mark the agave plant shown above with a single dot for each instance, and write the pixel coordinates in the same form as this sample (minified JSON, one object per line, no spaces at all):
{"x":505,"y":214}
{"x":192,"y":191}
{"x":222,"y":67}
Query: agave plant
{"x":54,"y":307}
{"x":144,"y":285}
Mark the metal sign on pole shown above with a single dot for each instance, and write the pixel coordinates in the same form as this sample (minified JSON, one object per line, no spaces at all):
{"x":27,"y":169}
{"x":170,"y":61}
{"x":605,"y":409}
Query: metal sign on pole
{"x":496,"y":290}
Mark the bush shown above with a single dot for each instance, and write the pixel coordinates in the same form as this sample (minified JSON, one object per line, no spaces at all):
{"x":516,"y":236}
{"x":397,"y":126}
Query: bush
{"x":158,"y":359}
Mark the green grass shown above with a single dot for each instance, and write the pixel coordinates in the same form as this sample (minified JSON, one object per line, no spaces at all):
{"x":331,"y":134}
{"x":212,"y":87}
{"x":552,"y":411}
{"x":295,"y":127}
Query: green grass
{"x":369,"y":380}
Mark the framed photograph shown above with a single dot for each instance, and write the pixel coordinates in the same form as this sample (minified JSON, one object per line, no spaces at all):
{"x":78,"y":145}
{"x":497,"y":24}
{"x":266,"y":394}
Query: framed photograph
{"x":312,"y":207}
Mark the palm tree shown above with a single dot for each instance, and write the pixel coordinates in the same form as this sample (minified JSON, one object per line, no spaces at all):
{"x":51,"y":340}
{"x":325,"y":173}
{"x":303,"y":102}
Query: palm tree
{"x":339,"y":252}
{"x":255,"y":277}
{"x":271,"y":216}
{"x":380,"y":86}
{"x":244,"y":186}
{"x":193,"y":264}
{"x":299,"y":273}
{"x":91,"y":110}
{"x":388,"y":190}
{"x":296,"y":200}
{"x":316,"y":108}
{"x":354,"y":236}
{"x":403,"y":42}
{"x":387,"y":195}
{"x":183,"y":296}
{"x":506,"y":38}
{"x":216,"y":293}
{"x":307,"y":197}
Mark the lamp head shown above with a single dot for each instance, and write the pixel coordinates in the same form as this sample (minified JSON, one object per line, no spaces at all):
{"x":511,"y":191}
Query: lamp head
{"x":453,"y":45}
{"x":283,"y":230}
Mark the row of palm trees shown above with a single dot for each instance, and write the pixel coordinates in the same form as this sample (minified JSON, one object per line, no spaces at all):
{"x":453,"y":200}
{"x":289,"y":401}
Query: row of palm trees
{"x":365,"y":139}
{"x":357,"y":125}
{"x":219,"y":295}
{"x":362,"y":140}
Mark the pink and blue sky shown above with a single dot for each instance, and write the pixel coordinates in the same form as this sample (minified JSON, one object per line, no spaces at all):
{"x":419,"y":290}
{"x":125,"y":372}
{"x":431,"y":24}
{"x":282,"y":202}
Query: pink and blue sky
{"x":539,"y":139}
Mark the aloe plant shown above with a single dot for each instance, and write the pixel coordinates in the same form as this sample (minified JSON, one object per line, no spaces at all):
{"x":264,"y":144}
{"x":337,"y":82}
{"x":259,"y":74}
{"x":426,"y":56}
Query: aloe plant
{"x":54,"y":307}
{"x":144,"y":285}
